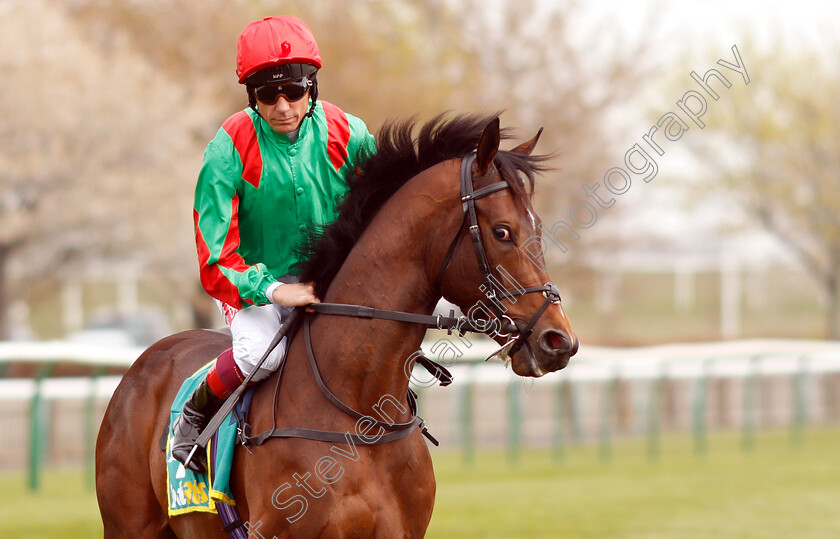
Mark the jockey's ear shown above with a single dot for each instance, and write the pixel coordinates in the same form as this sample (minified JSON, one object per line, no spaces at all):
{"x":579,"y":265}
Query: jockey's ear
{"x":528,"y":147}
{"x":487,"y":147}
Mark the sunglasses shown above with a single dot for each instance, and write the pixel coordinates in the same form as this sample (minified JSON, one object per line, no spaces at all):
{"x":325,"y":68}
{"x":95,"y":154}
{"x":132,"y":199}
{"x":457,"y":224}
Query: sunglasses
{"x":292,"y":91}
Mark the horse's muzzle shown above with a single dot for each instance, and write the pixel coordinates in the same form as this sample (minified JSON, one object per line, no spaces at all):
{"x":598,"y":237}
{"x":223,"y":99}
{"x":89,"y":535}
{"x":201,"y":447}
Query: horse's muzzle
{"x":554,"y":349}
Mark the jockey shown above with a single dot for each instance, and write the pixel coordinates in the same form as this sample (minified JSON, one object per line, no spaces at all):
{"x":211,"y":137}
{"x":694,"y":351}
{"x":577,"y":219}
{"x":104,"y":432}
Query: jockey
{"x":272,"y":171}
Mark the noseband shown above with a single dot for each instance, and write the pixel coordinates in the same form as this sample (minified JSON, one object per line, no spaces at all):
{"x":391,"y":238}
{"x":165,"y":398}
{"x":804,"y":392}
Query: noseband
{"x":491,"y":286}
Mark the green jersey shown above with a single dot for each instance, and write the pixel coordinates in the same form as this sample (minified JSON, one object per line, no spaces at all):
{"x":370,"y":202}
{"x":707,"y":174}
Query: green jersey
{"x":258,"y":192}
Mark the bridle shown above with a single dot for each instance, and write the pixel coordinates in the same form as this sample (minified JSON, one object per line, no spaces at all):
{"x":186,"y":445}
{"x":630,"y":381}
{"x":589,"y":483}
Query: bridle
{"x":491,"y":286}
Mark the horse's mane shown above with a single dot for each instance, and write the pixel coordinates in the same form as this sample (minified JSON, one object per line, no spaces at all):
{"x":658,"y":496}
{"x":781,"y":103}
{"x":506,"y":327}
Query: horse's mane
{"x":399,"y":157}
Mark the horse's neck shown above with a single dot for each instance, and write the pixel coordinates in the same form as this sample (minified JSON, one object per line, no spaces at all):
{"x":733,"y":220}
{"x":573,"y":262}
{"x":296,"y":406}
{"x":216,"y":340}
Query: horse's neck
{"x":366,"y":359}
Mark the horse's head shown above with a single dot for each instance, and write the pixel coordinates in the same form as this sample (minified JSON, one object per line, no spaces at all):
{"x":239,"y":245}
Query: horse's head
{"x":491,"y":272}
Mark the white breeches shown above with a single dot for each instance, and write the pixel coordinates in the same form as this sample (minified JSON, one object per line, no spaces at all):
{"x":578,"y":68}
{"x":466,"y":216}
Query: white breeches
{"x":253,"y":328}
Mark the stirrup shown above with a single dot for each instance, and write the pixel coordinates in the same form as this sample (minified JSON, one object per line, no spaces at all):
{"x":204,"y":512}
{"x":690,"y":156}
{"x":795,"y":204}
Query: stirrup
{"x":187,"y":427}
{"x":184,"y":448}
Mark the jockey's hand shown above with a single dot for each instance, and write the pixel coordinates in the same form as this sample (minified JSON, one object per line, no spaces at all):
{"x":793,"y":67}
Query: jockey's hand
{"x":295,"y":295}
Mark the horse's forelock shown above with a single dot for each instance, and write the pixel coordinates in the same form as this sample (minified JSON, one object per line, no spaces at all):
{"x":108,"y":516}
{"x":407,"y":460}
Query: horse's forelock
{"x":519,"y":171}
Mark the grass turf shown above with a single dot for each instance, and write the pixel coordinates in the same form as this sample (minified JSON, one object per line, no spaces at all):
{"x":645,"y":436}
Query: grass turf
{"x":773,"y":491}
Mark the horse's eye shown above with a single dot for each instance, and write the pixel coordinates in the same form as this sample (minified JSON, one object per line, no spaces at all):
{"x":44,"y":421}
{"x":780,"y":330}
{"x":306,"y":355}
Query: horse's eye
{"x":502,"y":233}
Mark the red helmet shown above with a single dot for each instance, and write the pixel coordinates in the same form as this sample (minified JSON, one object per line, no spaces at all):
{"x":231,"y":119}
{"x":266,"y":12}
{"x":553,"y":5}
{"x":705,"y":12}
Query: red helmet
{"x":275,"y":41}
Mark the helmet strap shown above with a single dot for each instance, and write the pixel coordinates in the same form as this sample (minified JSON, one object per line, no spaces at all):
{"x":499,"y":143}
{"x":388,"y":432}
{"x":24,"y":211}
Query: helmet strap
{"x":313,"y":93}
{"x":252,"y":98}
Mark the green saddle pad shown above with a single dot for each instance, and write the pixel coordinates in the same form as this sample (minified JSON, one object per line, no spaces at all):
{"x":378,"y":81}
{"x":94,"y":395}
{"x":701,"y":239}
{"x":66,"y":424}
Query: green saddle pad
{"x":188,"y":491}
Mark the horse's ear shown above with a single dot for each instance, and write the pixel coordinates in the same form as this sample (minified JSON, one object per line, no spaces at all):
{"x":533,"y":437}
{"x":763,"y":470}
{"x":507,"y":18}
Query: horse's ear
{"x":528,"y":147}
{"x":488,"y":146}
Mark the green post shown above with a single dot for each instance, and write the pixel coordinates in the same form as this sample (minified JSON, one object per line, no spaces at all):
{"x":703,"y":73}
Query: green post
{"x":37,"y":432}
{"x":749,"y":420}
{"x":798,"y":395}
{"x":514,"y":421}
{"x":607,"y":404}
{"x":654,"y":415}
{"x":558,"y":453}
{"x":466,"y":408}
{"x":701,"y":388}
{"x":90,"y":427}
{"x":576,"y":409}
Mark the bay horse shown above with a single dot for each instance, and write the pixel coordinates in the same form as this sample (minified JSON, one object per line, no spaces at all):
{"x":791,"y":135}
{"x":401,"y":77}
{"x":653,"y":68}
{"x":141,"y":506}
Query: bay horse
{"x":391,"y":248}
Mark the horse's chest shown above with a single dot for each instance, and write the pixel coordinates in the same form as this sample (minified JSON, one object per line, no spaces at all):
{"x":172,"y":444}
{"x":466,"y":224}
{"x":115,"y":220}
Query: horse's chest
{"x":333,"y":495}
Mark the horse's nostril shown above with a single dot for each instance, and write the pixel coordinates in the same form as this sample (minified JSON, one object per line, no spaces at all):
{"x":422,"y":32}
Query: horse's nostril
{"x":556,"y":341}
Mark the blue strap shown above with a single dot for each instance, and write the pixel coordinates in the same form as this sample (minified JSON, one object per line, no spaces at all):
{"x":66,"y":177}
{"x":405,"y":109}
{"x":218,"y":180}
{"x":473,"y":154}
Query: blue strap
{"x":244,"y":404}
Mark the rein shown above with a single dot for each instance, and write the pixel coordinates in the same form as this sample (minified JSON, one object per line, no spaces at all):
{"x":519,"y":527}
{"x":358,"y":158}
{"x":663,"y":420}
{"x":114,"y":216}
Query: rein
{"x":460,"y":323}
{"x":395,"y":432}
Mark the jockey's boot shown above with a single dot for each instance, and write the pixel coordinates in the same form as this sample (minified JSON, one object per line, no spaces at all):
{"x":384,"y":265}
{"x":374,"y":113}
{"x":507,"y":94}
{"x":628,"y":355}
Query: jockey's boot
{"x":198,"y":410}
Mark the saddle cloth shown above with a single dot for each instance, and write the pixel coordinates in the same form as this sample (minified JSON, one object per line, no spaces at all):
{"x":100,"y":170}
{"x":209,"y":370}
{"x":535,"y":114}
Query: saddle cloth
{"x":188,"y":491}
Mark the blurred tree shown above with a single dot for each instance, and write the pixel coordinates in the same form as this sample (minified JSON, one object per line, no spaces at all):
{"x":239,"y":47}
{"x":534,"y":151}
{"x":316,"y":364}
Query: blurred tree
{"x":549,"y":64}
{"x":90,"y":156}
{"x":772,"y":147}
{"x":398,"y":58}
{"x":381,"y":58}
{"x":112,"y":102}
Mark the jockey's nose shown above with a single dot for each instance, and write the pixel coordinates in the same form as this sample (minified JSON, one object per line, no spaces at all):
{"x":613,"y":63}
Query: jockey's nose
{"x":282,"y":104}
